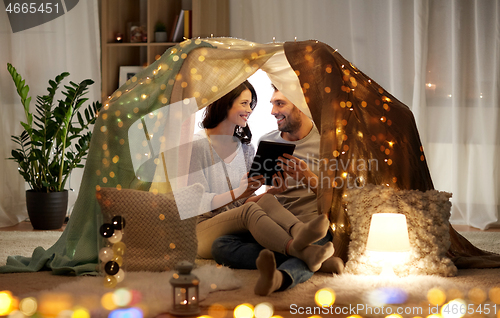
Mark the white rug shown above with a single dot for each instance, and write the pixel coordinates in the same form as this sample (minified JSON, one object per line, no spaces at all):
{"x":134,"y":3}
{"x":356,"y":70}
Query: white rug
{"x":235,"y":287}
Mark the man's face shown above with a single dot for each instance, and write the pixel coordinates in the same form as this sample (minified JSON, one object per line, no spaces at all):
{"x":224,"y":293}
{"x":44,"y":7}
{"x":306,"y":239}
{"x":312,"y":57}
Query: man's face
{"x":287,"y":115}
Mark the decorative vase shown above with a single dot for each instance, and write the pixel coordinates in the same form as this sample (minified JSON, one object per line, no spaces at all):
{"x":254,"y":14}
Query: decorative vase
{"x":160,"y":36}
{"x":47,"y":210}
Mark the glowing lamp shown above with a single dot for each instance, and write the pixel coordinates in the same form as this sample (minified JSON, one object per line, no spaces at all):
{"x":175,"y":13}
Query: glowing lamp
{"x":388,"y":240}
{"x":185,"y":291}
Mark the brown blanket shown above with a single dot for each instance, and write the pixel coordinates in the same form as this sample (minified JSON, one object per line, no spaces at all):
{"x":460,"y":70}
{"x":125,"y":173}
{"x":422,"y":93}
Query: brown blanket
{"x":367,"y":136}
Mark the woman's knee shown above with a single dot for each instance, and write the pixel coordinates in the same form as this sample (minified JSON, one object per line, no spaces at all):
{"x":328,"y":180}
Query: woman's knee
{"x":252,"y":210}
{"x":267,"y":197}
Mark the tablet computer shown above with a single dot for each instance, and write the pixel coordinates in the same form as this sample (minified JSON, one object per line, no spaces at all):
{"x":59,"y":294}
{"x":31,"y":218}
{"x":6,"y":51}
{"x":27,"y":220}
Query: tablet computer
{"x":266,"y":159}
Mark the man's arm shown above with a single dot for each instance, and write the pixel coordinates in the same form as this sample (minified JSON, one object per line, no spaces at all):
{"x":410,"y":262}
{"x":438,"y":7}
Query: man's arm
{"x":299,"y":170}
{"x":279,"y":186}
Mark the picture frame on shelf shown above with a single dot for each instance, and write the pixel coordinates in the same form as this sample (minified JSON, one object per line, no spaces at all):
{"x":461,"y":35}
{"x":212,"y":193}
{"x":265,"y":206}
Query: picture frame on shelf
{"x":127,"y":72}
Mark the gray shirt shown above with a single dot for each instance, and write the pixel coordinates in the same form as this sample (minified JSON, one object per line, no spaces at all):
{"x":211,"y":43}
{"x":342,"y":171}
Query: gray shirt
{"x":211,"y":175}
{"x":298,"y":198}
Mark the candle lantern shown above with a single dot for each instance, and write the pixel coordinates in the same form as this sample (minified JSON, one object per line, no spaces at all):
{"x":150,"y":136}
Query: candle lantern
{"x":185,"y":291}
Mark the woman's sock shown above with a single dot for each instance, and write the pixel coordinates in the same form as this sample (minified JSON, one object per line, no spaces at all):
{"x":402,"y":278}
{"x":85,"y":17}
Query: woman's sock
{"x":270,"y":279}
{"x":305,"y":234}
{"x":312,"y":255}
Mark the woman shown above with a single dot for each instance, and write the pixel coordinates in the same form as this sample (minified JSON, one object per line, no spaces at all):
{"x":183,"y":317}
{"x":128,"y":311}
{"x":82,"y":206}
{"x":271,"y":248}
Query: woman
{"x":221,"y":157}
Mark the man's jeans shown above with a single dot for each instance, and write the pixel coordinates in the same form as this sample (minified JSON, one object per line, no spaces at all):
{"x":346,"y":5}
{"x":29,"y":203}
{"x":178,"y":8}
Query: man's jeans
{"x":241,"y":251}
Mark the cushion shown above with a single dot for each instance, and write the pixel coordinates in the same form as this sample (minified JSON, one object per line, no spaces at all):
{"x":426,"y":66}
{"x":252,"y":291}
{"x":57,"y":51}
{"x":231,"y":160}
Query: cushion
{"x":156,"y":238}
{"x":427,"y":216}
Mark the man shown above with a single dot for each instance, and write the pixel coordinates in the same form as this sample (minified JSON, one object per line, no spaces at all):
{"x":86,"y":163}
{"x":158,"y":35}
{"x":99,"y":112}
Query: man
{"x":299,"y":197}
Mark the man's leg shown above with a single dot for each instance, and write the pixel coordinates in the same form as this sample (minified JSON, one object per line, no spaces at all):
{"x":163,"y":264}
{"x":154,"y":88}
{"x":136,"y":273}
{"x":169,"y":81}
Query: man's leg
{"x":277,"y":271}
{"x":236,"y":251}
{"x":240,"y":251}
{"x":295,"y":271}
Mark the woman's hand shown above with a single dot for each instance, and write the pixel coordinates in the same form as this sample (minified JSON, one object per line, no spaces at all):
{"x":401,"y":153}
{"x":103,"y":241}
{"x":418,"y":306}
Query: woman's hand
{"x":248,"y":186}
{"x":279,"y":183}
{"x":298,"y":170}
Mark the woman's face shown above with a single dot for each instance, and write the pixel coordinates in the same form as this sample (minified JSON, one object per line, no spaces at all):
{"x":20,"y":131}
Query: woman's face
{"x":239,"y":112}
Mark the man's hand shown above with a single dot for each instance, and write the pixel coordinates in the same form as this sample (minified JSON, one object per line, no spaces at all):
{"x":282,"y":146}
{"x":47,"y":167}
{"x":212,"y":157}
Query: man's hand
{"x":298,"y":170}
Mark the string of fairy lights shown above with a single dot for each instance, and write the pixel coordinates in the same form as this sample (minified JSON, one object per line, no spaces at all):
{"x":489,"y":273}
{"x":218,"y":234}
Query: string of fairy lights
{"x":123,"y":302}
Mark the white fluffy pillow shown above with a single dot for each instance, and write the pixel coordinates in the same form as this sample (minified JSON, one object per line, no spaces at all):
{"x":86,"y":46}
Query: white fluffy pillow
{"x":427,"y":214}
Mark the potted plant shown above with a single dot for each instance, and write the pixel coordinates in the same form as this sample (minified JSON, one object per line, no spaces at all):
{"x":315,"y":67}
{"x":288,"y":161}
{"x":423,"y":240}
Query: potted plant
{"x":55,"y":140}
{"x":160,"y":32}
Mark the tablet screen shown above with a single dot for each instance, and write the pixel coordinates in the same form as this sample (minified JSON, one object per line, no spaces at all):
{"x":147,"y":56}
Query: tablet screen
{"x":266,"y":159}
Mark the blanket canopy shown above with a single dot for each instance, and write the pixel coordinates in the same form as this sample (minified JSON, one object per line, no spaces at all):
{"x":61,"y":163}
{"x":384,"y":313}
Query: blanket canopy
{"x":142,"y":136}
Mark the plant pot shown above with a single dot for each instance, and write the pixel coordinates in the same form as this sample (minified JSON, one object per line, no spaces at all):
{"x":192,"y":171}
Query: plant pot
{"x":47,"y":210}
{"x":160,"y":36}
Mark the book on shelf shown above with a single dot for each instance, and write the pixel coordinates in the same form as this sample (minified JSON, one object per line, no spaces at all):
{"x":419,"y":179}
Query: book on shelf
{"x":172,"y":30}
{"x":188,"y":24}
{"x":183,"y":27}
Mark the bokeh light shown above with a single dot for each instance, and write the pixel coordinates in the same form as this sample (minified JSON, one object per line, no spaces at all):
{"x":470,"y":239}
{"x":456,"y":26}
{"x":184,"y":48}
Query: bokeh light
{"x":126,"y":313}
{"x":243,"y":311}
{"x":477,"y":295}
{"x":264,"y":310}
{"x":217,"y":311}
{"x":28,"y":306}
{"x":494,"y":295}
{"x":6,"y":302}
{"x":16,"y":314}
{"x":80,"y":313}
{"x":51,"y":304}
{"x":387,"y":295}
{"x":394,"y":316}
{"x":108,"y":302}
{"x":122,"y":297}
{"x":454,"y":293}
{"x":455,"y":308}
{"x":436,"y":296}
{"x":324,"y":297}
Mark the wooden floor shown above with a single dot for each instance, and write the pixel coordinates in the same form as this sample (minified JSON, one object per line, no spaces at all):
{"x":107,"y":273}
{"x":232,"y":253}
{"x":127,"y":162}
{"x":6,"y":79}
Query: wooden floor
{"x":25,"y":226}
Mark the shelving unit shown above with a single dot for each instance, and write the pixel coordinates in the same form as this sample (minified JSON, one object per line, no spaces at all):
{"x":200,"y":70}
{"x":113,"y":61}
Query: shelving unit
{"x":209,"y":17}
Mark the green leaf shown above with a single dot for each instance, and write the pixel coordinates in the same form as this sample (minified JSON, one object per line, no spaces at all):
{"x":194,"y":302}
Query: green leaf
{"x":24,"y":91}
{"x":80,"y":119}
{"x":26,"y":126}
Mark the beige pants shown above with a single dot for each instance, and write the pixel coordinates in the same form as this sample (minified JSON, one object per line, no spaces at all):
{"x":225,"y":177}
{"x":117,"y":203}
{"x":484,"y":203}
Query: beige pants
{"x":267,"y":220}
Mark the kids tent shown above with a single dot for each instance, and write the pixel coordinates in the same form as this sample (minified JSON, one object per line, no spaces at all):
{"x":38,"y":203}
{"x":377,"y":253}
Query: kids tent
{"x":141,"y":138}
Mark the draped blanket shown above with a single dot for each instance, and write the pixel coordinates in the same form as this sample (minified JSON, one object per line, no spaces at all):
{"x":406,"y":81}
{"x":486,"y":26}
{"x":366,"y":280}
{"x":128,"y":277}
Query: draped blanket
{"x":142,"y":137}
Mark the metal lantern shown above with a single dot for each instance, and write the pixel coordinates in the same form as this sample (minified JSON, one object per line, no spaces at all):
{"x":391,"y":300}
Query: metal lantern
{"x":185,"y":291}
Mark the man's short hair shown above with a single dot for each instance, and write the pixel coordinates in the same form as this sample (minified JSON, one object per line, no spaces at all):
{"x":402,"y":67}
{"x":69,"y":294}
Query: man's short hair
{"x":274,"y":87}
